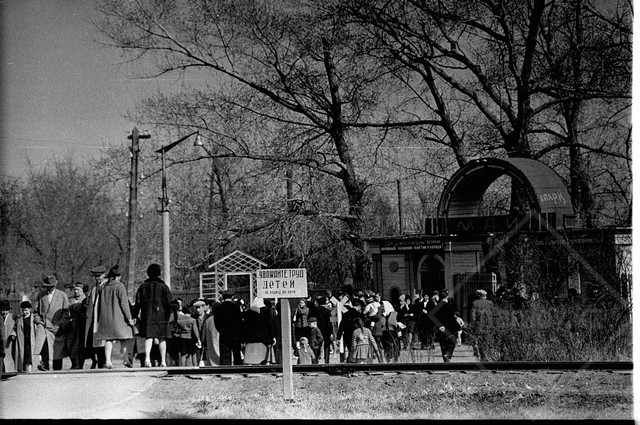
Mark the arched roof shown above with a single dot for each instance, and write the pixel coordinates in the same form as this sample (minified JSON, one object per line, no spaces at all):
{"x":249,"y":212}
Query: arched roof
{"x":462,"y":197}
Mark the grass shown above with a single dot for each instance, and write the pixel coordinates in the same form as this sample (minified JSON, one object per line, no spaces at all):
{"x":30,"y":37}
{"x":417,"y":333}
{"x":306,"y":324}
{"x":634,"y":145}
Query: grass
{"x":478,"y":395}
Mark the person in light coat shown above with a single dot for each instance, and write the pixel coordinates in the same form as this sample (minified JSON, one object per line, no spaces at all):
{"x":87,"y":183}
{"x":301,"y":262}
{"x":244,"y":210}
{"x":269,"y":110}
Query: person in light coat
{"x":8,"y":337}
{"x":29,"y":335}
{"x":211,"y":340}
{"x":52,"y":307}
{"x":94,"y":347}
{"x":114,"y":316}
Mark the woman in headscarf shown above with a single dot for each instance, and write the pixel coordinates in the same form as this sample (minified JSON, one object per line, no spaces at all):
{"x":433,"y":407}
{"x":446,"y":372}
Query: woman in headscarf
{"x":257,"y":333}
{"x":211,"y":339}
{"x":114,"y":315}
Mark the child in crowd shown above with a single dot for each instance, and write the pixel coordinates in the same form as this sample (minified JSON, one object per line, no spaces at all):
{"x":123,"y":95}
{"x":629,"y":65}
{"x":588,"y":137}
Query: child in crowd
{"x":29,"y":334}
{"x":363,"y":345}
{"x":315,"y":339}
{"x":459,"y":333}
{"x":185,"y":337}
{"x":304,"y":352}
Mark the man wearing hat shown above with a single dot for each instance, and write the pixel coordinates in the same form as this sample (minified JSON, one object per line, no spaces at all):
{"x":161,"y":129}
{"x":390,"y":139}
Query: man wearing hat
{"x":228,"y":320}
{"x":199,"y":313}
{"x":94,"y":349}
{"x":480,"y":308}
{"x":8,"y":337}
{"x":52,"y":308}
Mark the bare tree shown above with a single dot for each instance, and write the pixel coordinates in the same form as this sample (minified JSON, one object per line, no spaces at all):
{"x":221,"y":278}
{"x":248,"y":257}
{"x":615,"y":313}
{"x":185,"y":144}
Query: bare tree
{"x":526,"y":79}
{"x":301,"y":85}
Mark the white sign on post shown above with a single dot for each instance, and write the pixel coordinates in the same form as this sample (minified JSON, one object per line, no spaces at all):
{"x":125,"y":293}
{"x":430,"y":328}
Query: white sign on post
{"x":284,"y":283}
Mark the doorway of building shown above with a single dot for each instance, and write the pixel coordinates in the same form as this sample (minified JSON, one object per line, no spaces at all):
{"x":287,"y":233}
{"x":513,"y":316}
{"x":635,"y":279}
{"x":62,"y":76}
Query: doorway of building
{"x":431,"y":275}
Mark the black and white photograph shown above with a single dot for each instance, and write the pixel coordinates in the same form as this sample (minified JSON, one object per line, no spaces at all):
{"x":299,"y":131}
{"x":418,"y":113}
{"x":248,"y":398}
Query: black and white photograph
{"x":317,"y":210}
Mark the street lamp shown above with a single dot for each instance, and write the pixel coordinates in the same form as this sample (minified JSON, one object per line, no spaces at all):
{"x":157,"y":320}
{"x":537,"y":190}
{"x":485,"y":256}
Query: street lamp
{"x":164,"y":207}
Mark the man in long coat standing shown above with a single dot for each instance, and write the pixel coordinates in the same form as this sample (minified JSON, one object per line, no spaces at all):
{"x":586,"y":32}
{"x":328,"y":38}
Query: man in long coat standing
{"x":153,"y":307}
{"x":228,"y":322}
{"x":94,"y":347}
{"x":52,"y":308}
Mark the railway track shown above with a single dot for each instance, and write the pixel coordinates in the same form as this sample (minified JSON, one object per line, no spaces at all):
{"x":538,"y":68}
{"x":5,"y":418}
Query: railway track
{"x":372,"y":368}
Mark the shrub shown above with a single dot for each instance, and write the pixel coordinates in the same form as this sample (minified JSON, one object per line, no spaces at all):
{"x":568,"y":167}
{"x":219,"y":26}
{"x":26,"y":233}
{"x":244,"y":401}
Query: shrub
{"x":545,"y":332}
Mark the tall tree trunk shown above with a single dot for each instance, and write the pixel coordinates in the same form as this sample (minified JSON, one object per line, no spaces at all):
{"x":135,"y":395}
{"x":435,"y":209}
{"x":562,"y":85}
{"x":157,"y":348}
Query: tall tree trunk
{"x":353,"y":187}
{"x":581,"y":196}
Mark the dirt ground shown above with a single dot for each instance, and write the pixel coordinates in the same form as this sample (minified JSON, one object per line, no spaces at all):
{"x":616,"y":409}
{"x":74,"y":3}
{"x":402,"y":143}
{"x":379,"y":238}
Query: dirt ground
{"x":445,"y":395}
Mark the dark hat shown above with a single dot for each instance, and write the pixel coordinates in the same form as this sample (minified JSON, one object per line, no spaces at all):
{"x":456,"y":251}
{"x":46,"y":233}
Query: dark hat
{"x":154,"y":270}
{"x":25,"y":304}
{"x":78,"y":284}
{"x":227,"y":293}
{"x":49,"y":281}
{"x":113,"y":272}
{"x":98,"y":270}
{"x":311,"y":319}
{"x":4,"y":305}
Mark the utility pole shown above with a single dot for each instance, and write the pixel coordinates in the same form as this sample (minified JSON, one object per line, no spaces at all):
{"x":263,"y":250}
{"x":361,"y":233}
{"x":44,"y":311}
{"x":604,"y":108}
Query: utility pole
{"x":135,"y":137}
{"x":400,"y":221}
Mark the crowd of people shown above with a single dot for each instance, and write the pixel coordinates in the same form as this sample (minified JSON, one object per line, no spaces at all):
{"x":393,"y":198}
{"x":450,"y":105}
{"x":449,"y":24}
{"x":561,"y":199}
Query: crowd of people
{"x":158,"y":330}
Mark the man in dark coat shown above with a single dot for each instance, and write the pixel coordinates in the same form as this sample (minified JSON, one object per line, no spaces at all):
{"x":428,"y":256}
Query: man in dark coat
{"x":153,"y":305}
{"x":228,"y":320}
{"x":347,"y":326}
{"x":443,"y":316}
{"x":323,"y":316}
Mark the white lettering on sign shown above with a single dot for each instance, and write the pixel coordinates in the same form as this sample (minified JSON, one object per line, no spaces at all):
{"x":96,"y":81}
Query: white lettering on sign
{"x":554,"y":197}
{"x":282,"y":283}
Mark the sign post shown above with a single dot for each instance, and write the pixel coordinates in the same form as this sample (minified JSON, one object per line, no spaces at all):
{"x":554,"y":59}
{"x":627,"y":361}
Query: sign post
{"x":284,"y":284}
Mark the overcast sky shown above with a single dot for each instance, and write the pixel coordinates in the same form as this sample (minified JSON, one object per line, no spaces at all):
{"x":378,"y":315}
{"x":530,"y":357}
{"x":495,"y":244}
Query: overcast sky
{"x":62,"y":93}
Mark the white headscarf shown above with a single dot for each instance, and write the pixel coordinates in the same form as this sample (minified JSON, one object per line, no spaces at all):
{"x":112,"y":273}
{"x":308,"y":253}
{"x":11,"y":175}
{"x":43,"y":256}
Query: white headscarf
{"x":257,"y":304}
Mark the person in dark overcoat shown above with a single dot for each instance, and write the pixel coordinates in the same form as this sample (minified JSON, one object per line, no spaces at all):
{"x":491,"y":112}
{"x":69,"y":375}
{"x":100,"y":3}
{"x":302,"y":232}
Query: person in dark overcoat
{"x":75,"y":330}
{"x":348,"y":325}
{"x":228,"y":321}
{"x":257,"y":333}
{"x":153,"y":308}
{"x":114,"y":316}
{"x":447,"y":326}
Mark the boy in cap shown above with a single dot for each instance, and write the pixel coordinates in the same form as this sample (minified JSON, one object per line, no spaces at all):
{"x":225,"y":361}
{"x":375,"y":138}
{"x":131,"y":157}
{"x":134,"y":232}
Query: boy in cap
{"x":315,"y":339}
{"x":52,"y":307}
{"x":29,"y":335}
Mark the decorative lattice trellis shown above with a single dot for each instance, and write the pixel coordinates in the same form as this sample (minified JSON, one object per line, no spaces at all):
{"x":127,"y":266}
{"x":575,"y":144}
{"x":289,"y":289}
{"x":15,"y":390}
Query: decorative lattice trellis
{"x":236,"y":263}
